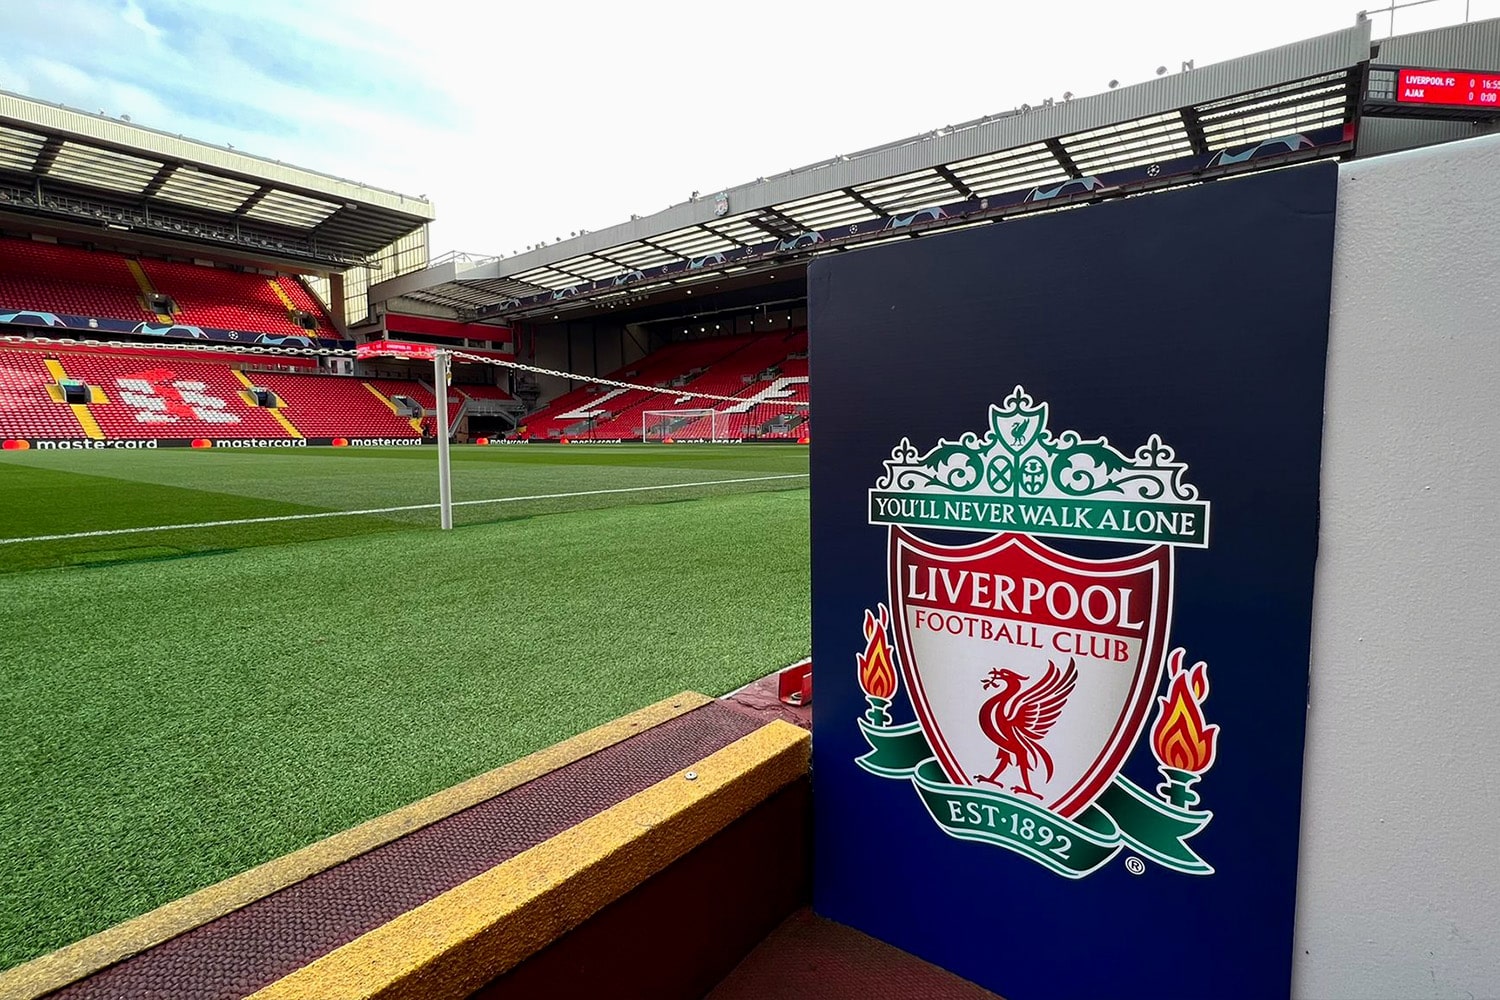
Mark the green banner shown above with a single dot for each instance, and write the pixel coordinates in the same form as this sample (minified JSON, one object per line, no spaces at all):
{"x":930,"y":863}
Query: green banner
{"x":1124,"y":815}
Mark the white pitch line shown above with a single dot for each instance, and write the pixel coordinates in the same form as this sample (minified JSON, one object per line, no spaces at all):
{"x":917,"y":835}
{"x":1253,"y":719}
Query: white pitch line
{"x":391,"y":510}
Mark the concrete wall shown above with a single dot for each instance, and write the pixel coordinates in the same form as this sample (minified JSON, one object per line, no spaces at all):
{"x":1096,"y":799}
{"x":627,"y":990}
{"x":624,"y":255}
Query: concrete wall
{"x":1399,"y":887}
{"x":609,"y":347}
{"x":552,"y":352}
{"x":588,"y":347}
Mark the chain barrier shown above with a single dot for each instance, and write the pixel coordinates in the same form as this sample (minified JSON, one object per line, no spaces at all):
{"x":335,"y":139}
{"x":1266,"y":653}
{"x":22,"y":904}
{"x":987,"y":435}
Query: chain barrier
{"x":337,"y":352}
{"x":612,"y":383}
{"x":327,"y":352}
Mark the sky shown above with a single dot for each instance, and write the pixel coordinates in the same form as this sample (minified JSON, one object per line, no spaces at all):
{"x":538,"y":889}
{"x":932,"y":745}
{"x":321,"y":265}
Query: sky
{"x":525,"y":122}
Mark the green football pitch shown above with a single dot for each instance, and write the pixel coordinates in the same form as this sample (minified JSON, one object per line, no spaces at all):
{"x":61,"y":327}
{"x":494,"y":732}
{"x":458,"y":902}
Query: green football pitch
{"x":179,"y":704}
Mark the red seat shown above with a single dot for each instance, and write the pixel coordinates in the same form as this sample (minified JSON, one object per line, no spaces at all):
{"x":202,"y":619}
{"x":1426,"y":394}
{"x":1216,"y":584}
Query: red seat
{"x":731,"y":366}
{"x":158,"y":394}
{"x":332,"y":406}
{"x":152,"y":397}
{"x":26,"y":408}
{"x":224,"y":299}
{"x":98,"y":284}
{"x":67,"y":281}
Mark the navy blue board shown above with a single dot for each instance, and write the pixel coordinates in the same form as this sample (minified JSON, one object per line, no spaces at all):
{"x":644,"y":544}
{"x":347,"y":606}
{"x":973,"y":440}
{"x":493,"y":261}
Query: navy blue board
{"x":1199,"y":316}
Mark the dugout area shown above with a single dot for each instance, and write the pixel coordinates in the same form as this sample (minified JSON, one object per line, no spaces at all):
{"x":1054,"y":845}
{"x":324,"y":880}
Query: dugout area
{"x":664,"y":854}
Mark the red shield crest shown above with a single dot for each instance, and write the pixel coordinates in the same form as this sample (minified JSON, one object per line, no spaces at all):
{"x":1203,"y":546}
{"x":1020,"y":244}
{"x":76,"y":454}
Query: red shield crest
{"x":1031,"y":671}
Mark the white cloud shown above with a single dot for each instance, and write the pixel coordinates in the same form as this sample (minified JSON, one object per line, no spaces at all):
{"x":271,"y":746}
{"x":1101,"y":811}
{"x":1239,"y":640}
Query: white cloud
{"x":525,"y":122}
{"x":136,"y":18}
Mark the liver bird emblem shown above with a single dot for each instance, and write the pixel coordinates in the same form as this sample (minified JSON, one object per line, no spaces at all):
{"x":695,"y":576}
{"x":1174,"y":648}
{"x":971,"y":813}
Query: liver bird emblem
{"x":1017,"y":721}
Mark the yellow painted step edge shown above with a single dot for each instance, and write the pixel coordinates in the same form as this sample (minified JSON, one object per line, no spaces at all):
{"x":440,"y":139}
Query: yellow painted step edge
{"x":454,"y":944}
{"x":86,"y":421}
{"x":275,"y":411}
{"x":51,"y":972}
{"x":416,"y":422}
{"x":147,"y":289}
{"x":281,"y":294}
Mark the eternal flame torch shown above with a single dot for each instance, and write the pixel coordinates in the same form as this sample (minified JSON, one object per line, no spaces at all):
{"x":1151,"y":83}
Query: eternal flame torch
{"x":877,"y":673}
{"x":1183,"y":744}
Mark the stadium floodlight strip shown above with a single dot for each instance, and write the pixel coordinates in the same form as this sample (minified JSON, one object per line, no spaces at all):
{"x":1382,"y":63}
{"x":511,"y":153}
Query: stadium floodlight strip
{"x":392,"y":510}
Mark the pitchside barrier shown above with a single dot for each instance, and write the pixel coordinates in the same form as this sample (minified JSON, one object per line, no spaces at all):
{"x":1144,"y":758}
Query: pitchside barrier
{"x":1067,"y":741}
{"x":151,"y":444}
{"x":660,"y":426}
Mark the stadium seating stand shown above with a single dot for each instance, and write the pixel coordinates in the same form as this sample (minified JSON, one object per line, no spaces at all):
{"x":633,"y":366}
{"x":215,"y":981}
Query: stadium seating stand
{"x":740,"y":365}
{"x":27,"y":410}
{"x":67,"y":281}
{"x":330,"y":406}
{"x":179,"y":398}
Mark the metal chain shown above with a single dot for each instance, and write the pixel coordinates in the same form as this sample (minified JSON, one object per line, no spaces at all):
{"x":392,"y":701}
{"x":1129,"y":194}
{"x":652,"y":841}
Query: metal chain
{"x":612,"y":383}
{"x":328,"y":352}
{"x":334,"y":352}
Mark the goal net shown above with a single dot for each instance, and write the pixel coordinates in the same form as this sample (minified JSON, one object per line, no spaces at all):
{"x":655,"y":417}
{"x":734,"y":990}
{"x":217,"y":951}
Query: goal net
{"x":680,"y":425}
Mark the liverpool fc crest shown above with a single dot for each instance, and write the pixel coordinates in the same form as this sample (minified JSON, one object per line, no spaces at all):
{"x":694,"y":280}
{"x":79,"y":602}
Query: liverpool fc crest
{"x":1032,"y":673}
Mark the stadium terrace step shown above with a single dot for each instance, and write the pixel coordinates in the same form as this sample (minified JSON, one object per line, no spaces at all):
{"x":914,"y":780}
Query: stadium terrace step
{"x":304,"y":301}
{"x":500,"y":884}
{"x":131,"y":397}
{"x":483,"y":404}
{"x":488,"y":392}
{"x":421,"y":393}
{"x":27,"y":409}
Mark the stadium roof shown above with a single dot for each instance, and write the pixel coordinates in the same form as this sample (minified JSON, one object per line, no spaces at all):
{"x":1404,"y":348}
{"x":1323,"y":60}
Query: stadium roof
{"x":64,"y":165}
{"x":1297,"y":88}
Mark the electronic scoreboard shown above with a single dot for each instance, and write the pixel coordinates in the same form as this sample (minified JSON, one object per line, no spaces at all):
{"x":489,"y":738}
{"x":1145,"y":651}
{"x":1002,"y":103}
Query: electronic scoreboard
{"x":1418,"y":92}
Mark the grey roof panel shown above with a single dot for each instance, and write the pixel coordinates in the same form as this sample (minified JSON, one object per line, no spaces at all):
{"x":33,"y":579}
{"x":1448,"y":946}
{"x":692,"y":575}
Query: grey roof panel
{"x":194,"y":188}
{"x":105,"y":168}
{"x":1475,"y":45}
{"x":19,"y":149}
{"x":1130,"y":126}
{"x":143,"y":176}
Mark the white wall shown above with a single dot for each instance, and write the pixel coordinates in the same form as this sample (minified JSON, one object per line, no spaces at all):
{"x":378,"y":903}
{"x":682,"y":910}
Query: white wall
{"x":1399,"y":888}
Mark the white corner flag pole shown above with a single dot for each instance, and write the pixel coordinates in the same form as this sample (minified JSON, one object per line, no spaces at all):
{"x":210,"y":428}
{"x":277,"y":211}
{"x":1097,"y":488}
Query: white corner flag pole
{"x":440,"y":363}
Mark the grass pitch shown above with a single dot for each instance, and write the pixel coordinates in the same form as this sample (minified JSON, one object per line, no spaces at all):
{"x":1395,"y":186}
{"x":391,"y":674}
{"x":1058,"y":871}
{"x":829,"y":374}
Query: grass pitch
{"x":177,"y":706}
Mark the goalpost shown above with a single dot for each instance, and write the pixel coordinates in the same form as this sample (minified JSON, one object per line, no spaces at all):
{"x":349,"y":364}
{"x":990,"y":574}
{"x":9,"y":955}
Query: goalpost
{"x":658,"y":425}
